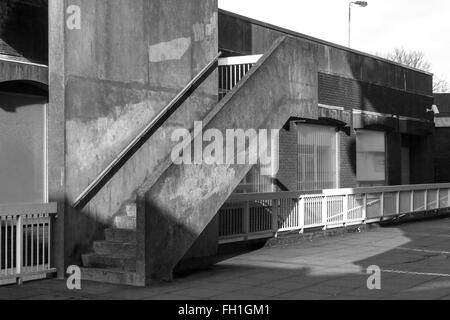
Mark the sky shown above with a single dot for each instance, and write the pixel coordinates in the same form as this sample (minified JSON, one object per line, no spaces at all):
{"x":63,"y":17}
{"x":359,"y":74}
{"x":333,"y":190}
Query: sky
{"x":383,"y":25}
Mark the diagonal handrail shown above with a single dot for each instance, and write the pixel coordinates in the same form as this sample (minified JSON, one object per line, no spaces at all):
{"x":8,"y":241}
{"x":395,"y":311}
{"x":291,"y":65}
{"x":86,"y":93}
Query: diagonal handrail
{"x":83,"y":199}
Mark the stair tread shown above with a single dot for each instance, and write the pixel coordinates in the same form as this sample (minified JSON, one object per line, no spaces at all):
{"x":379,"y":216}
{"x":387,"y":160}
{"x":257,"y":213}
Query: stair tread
{"x":120,"y":235}
{"x":115,"y":243}
{"x":111,"y":256}
{"x":108,"y":269}
{"x":120,"y":230}
{"x":110,"y":275}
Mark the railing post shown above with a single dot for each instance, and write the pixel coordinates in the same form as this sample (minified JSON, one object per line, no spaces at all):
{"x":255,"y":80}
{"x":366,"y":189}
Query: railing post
{"x":365,"y":207}
{"x":19,"y":248}
{"x":246,"y":218}
{"x":397,"y":204}
{"x":345,"y":209}
{"x":438,"y":199}
{"x":412,"y":201}
{"x":382,"y":204}
{"x":426,"y":199}
{"x":324,"y":213}
{"x":275,"y":216}
{"x":301,"y":216}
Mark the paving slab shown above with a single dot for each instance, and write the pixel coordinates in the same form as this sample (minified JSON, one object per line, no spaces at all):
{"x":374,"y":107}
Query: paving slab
{"x":414,"y":261}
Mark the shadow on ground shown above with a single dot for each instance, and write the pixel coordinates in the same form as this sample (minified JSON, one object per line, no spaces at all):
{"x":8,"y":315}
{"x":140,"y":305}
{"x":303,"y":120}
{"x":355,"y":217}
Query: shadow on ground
{"x":413,"y":257}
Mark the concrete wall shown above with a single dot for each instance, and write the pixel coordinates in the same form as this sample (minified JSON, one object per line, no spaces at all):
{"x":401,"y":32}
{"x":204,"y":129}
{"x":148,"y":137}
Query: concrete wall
{"x":350,"y":80}
{"x":240,"y":35}
{"x":442,"y":155}
{"x":186,"y":198}
{"x":112,"y":77}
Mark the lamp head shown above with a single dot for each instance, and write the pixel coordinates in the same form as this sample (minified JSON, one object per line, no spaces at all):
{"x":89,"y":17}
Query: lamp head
{"x":361,"y":3}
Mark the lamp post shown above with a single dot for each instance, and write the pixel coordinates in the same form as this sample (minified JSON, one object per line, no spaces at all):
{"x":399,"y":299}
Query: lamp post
{"x":362,"y":4}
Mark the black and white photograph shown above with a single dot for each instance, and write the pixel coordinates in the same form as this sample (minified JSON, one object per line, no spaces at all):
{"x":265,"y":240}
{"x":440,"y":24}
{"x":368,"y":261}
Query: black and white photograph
{"x":224,"y":155}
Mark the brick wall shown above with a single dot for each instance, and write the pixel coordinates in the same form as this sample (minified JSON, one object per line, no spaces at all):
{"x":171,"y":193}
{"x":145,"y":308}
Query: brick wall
{"x":286,"y":179}
{"x":347,"y":163}
{"x":442,"y":155}
{"x":353,"y":94}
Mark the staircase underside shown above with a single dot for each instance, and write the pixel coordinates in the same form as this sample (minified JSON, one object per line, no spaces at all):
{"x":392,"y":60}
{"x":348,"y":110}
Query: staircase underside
{"x":175,"y":210}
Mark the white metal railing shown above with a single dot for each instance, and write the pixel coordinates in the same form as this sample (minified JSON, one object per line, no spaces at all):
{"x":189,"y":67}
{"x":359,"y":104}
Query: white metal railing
{"x":257,"y":215}
{"x":232,"y":70}
{"x":25,"y":242}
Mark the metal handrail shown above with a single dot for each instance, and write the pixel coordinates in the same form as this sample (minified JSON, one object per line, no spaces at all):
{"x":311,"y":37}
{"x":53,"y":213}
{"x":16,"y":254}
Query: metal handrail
{"x":242,"y":197}
{"x":155,"y":124}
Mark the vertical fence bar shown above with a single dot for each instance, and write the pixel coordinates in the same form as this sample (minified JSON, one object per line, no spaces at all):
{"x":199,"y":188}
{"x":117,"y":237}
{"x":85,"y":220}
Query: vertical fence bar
{"x":324,"y":212}
{"x":246,"y":218}
{"x":345,"y":209}
{"x":301,"y":215}
{"x":412,"y":200}
{"x":32,"y":243}
{"x":364,"y":209}
{"x":25,"y":222}
{"x":397,"y":203}
{"x":426,"y":199}
{"x":49,"y":240}
{"x":275,"y":213}
{"x":1,"y":244}
{"x":438,"y":198}
{"x":19,"y":248}
{"x":6,"y":243}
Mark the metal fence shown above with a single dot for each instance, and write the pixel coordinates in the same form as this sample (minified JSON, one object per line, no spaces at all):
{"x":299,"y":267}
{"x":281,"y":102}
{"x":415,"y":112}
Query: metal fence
{"x":251,"y":216}
{"x":232,"y":70}
{"x":25,"y":242}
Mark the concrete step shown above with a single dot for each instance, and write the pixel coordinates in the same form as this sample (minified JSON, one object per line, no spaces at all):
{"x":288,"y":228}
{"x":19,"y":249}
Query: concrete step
{"x":125,"y":263}
{"x":113,"y":276}
{"x":115,"y":248}
{"x":120,"y":235}
{"x":125,"y":222}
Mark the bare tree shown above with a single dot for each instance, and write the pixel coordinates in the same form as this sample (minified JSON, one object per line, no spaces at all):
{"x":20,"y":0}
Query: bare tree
{"x":440,"y":85}
{"x":417,"y":60}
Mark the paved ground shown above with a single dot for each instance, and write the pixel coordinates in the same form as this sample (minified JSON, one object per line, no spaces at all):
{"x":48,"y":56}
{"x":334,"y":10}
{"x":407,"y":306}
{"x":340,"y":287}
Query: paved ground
{"x":414,"y":259}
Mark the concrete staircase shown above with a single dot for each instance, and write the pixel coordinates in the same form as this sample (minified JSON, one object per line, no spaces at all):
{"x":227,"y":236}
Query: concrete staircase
{"x":114,"y":259}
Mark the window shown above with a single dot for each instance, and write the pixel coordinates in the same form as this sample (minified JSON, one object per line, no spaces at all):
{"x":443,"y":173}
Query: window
{"x":255,"y":182}
{"x":317,"y":157}
{"x":371,"y":158}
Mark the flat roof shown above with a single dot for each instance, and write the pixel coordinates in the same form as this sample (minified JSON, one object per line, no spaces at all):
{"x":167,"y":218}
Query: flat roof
{"x":306,"y":37}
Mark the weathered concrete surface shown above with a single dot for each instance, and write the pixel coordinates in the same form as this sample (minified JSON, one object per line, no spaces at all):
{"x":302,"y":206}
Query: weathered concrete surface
{"x":243,"y":35}
{"x":17,"y":71}
{"x":186,"y":198}
{"x":129,"y":59}
{"x":353,"y":80}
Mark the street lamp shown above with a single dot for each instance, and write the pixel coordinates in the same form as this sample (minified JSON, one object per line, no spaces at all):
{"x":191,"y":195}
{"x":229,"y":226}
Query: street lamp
{"x":358,"y":3}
